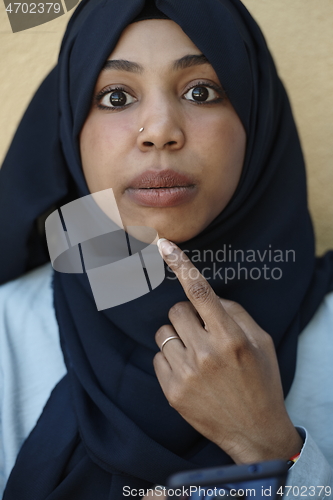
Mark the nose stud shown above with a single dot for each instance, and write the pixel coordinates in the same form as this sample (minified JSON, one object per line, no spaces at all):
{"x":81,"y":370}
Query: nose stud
{"x":141,"y":129}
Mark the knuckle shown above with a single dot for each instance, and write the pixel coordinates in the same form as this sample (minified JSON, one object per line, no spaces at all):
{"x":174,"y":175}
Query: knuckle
{"x":157,"y":358}
{"x":267,"y":340}
{"x":207,"y":360}
{"x":175,"y":395}
{"x":177,"y":310}
{"x":183,"y":384}
{"x":237,"y":348}
{"x":239,"y":315}
{"x":233,"y":308}
{"x":162,"y":333}
{"x":200,"y":291}
{"x":188,"y":374}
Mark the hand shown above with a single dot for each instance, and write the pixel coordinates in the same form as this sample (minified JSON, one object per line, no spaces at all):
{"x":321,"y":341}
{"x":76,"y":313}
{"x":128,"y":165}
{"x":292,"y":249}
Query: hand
{"x":222,"y":374}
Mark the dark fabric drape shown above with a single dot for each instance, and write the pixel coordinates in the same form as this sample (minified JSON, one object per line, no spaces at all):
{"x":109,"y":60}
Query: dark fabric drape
{"x":107,"y":424}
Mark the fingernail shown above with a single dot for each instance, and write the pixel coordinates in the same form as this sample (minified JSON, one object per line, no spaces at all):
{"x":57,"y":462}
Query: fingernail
{"x":165,"y":247}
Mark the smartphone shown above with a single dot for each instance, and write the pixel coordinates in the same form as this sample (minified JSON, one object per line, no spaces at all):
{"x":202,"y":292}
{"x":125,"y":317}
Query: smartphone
{"x":256,"y":481}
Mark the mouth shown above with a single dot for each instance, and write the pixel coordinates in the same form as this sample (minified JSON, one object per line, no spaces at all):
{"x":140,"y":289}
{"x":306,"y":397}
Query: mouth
{"x":163,"y":188}
{"x":162,"y":197}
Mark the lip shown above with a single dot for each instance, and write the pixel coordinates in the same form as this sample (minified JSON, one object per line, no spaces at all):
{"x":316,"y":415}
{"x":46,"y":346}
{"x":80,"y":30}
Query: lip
{"x":162,"y":197}
{"x":163,"y":188}
{"x":160,"y":178}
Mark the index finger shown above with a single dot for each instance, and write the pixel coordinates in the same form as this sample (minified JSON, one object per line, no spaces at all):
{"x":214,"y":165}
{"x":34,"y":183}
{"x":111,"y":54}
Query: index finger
{"x":196,"y":287}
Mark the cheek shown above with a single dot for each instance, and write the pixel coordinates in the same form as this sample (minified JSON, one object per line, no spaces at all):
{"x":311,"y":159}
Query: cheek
{"x":91,"y":146}
{"x":220,"y":141}
{"x":230,"y":156}
{"x":96,"y":140}
{"x":102,"y":146}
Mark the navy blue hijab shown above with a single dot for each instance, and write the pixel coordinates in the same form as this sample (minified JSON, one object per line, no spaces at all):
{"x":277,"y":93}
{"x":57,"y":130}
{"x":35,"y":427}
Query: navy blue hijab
{"x":107,"y":423}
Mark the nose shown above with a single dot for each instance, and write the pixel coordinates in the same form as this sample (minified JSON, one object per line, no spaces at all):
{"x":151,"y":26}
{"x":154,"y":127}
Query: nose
{"x":162,"y":125}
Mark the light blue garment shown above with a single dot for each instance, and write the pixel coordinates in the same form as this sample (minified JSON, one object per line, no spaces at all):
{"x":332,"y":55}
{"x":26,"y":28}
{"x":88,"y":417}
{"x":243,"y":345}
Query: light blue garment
{"x":31,"y":363}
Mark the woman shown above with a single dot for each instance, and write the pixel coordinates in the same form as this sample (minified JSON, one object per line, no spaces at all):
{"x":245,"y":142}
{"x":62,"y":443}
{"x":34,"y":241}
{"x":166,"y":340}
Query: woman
{"x":143,"y":99}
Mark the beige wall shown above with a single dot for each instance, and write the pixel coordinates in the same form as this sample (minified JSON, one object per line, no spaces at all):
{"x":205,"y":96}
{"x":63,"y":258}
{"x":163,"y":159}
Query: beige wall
{"x":300,"y":35}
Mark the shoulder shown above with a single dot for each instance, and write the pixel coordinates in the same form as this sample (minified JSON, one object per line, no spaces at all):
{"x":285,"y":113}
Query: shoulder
{"x":31,"y":361}
{"x":28,"y":327}
{"x":310,"y":400}
{"x":316,"y":340}
{"x":27,"y":295}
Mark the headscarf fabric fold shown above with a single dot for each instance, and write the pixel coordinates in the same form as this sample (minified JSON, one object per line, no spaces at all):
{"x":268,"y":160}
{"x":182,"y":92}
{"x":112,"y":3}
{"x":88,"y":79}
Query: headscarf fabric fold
{"x":107,"y":424}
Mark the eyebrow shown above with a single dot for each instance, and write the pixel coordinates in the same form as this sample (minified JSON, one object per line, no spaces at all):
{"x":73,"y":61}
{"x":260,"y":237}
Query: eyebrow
{"x":190,"y":60}
{"x":182,"y":63}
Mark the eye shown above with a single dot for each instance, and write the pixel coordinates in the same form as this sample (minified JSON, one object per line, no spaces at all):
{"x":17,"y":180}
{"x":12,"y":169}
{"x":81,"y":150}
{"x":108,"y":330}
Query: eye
{"x":114,"y":98}
{"x":202,"y":93}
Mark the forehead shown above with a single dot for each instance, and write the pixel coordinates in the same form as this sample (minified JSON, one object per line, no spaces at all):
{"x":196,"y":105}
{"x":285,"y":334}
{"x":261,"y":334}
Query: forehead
{"x":153,"y":42}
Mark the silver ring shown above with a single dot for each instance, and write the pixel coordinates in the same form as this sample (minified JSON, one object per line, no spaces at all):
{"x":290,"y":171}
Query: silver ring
{"x":141,"y":129}
{"x":167,"y":340}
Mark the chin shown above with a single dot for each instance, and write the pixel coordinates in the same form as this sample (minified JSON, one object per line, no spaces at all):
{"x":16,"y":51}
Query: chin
{"x":166,"y":225}
{"x":177,"y":236}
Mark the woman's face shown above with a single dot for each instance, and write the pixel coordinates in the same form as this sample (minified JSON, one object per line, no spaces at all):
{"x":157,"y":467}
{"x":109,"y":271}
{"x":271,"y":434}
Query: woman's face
{"x":180,"y":172}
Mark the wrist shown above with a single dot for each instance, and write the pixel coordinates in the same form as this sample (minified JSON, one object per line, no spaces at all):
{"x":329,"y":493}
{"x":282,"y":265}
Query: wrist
{"x":281,"y":445}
